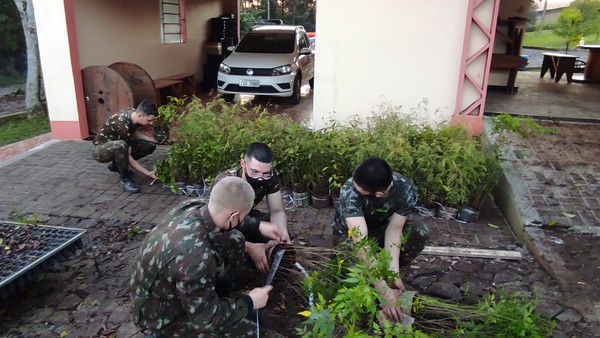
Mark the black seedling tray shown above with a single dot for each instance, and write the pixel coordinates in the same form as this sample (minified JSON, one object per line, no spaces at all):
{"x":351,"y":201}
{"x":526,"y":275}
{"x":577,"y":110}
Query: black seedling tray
{"x":27,"y":250}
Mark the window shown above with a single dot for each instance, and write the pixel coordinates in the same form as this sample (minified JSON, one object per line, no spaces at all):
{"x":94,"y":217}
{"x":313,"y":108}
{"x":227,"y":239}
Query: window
{"x":172,"y":21}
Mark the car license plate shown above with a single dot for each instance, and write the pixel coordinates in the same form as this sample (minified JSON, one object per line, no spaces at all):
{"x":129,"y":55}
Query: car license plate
{"x":249,"y":83}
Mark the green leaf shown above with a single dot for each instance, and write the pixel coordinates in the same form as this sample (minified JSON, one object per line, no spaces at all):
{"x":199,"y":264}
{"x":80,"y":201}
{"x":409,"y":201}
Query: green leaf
{"x":552,"y":223}
{"x":567,"y":215}
{"x":493,"y":226}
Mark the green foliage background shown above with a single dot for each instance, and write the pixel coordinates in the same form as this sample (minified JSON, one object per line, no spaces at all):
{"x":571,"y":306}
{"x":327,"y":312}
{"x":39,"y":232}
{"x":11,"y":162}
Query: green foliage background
{"x":445,"y":163}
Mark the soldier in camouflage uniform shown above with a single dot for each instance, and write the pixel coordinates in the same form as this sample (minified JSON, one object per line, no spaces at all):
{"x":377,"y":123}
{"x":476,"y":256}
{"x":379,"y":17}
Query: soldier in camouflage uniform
{"x":183,"y":262}
{"x":120,"y":143}
{"x":375,"y":202}
{"x":258,"y":227}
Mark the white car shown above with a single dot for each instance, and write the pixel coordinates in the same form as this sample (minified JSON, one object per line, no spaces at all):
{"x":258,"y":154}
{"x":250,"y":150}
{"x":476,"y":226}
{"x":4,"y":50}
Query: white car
{"x":270,"y":60}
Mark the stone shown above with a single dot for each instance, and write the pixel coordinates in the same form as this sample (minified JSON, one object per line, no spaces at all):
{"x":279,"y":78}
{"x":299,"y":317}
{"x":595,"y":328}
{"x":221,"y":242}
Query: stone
{"x":129,"y":330}
{"x":466,"y":266}
{"x":87,"y":223}
{"x":71,"y":302}
{"x":60,"y":318}
{"x":42,"y":316}
{"x":120,"y":315}
{"x":423,"y":282}
{"x":453,"y":277}
{"x":569,"y":315}
{"x":444,"y":290}
{"x":494,"y":267}
{"x":549,"y":309}
{"x":506,"y":276}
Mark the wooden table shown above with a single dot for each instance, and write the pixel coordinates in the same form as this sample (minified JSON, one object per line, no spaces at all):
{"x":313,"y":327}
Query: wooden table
{"x":558,"y":64}
{"x":592,"y":66}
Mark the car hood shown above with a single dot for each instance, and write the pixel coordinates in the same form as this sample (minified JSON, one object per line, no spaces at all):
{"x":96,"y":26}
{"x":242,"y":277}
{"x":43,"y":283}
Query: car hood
{"x":258,"y":60}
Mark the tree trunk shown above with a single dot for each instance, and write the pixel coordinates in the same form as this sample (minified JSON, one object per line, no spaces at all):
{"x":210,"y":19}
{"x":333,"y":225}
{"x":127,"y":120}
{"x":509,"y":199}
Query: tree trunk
{"x":34,"y":94}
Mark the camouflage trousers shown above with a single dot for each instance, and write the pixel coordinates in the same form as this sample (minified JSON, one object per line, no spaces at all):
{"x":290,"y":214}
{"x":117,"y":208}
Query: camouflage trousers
{"x":415,"y":235}
{"x":118,"y":151}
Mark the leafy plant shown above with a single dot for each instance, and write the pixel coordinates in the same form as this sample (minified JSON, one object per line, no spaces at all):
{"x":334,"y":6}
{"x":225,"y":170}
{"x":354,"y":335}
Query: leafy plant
{"x":524,"y":126}
{"x":347,"y":306}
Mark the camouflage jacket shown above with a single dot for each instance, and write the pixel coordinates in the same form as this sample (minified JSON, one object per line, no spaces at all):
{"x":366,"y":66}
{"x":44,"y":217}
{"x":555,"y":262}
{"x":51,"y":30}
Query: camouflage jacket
{"x":376,"y":211}
{"x":117,"y":127}
{"x":177,"y":268}
{"x":268,"y":187}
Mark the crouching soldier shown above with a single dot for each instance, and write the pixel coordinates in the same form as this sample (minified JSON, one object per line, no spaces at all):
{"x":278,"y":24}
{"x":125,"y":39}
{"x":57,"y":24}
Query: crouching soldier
{"x":375,"y":203}
{"x":120,"y":143}
{"x":183,"y":263}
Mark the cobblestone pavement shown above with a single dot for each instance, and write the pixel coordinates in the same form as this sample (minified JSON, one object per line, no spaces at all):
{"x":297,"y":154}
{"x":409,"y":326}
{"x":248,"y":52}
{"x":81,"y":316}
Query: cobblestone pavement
{"x":86,"y":295}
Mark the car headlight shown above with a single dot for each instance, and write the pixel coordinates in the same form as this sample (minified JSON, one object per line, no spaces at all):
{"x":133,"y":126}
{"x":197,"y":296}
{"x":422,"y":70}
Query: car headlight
{"x":223,"y":68}
{"x":282,"y":70}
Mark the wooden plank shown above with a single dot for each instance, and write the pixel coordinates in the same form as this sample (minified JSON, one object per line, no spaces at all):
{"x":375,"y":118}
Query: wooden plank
{"x":469,"y":252}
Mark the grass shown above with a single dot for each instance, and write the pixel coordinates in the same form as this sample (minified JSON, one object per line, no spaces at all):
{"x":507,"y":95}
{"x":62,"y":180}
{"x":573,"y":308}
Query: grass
{"x":12,"y":79}
{"x":547,"y":39}
{"x":14,"y":131}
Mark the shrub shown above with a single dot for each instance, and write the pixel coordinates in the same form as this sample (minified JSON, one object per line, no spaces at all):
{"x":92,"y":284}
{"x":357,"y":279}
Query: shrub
{"x":445,"y":163}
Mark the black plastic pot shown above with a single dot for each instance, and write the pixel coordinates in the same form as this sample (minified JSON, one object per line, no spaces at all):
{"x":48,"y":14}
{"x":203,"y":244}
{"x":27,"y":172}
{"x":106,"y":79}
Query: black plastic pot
{"x":320,"y":202}
{"x":468,"y":214}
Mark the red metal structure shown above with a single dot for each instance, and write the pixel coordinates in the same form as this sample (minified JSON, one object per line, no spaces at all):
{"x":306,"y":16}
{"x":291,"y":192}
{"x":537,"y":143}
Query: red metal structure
{"x":469,"y":110}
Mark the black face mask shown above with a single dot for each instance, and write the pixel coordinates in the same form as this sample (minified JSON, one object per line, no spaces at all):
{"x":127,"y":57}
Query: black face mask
{"x":231,"y":226}
{"x":255,"y":182}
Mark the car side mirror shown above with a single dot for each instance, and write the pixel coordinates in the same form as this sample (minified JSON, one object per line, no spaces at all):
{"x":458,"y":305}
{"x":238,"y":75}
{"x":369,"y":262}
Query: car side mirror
{"x":305,"y":51}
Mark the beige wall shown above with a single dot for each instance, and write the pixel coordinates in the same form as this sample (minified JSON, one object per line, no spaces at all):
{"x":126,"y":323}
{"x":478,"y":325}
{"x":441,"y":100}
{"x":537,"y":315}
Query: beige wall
{"x":395,"y":52}
{"x":115,"y":30}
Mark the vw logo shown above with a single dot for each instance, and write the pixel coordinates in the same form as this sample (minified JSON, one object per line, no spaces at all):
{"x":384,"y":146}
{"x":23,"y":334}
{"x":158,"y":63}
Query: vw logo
{"x":249,"y":72}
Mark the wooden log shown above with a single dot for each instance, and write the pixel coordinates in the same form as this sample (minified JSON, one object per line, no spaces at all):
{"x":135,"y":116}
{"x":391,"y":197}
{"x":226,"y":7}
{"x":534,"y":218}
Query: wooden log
{"x":106,"y":92}
{"x":469,"y":252}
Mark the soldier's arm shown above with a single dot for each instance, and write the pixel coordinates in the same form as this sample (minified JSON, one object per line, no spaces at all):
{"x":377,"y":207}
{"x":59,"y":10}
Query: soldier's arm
{"x":277,"y":214}
{"x":142,"y":136}
{"x":137,"y":166}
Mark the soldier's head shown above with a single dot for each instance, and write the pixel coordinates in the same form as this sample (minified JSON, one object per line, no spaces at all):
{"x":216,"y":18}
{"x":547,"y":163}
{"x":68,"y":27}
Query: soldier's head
{"x":230,"y":201}
{"x":373,"y":177}
{"x":145,"y":113}
{"x":256,"y":164}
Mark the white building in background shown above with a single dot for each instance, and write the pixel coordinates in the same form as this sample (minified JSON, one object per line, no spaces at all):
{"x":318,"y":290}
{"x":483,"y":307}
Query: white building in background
{"x":369,"y":54}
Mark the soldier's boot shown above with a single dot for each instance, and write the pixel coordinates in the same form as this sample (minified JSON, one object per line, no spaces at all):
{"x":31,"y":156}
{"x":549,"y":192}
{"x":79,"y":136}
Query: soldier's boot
{"x":128,"y":183}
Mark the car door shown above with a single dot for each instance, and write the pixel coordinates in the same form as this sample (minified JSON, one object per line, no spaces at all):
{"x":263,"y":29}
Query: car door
{"x":307,"y":61}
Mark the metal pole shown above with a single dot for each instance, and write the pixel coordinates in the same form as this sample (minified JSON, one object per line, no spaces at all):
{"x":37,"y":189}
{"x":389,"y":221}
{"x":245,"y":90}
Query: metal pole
{"x":268,"y":9}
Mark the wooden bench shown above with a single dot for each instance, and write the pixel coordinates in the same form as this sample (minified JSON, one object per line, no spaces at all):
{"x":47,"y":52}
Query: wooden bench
{"x":558,"y":64}
{"x":510,"y":62}
{"x":166,"y":87}
{"x":188,"y":82}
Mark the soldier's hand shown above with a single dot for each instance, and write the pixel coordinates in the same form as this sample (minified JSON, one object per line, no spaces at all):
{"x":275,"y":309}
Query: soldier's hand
{"x":256,"y":251}
{"x":260,"y":296}
{"x":270,"y":230}
{"x":152,"y":175}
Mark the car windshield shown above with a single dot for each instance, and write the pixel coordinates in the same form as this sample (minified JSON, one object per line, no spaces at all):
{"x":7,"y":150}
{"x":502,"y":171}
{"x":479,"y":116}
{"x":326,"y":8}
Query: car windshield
{"x":263,"y":42}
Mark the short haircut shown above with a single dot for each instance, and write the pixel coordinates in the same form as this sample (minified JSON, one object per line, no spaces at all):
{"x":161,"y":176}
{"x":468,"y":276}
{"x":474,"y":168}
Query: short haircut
{"x":373,"y":175}
{"x":259,"y":151}
{"x":232,"y":194}
{"x":147,"y":108}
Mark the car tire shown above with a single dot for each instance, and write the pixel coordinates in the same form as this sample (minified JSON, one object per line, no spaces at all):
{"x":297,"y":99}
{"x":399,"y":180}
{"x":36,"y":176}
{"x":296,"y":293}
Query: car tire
{"x":295,"y":98}
{"x":311,"y":83}
{"x":228,"y":97}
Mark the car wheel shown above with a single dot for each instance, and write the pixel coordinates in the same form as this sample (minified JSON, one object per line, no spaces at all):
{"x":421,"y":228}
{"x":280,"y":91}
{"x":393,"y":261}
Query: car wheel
{"x":311,"y":82}
{"x":228,"y":97}
{"x":295,"y":98}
